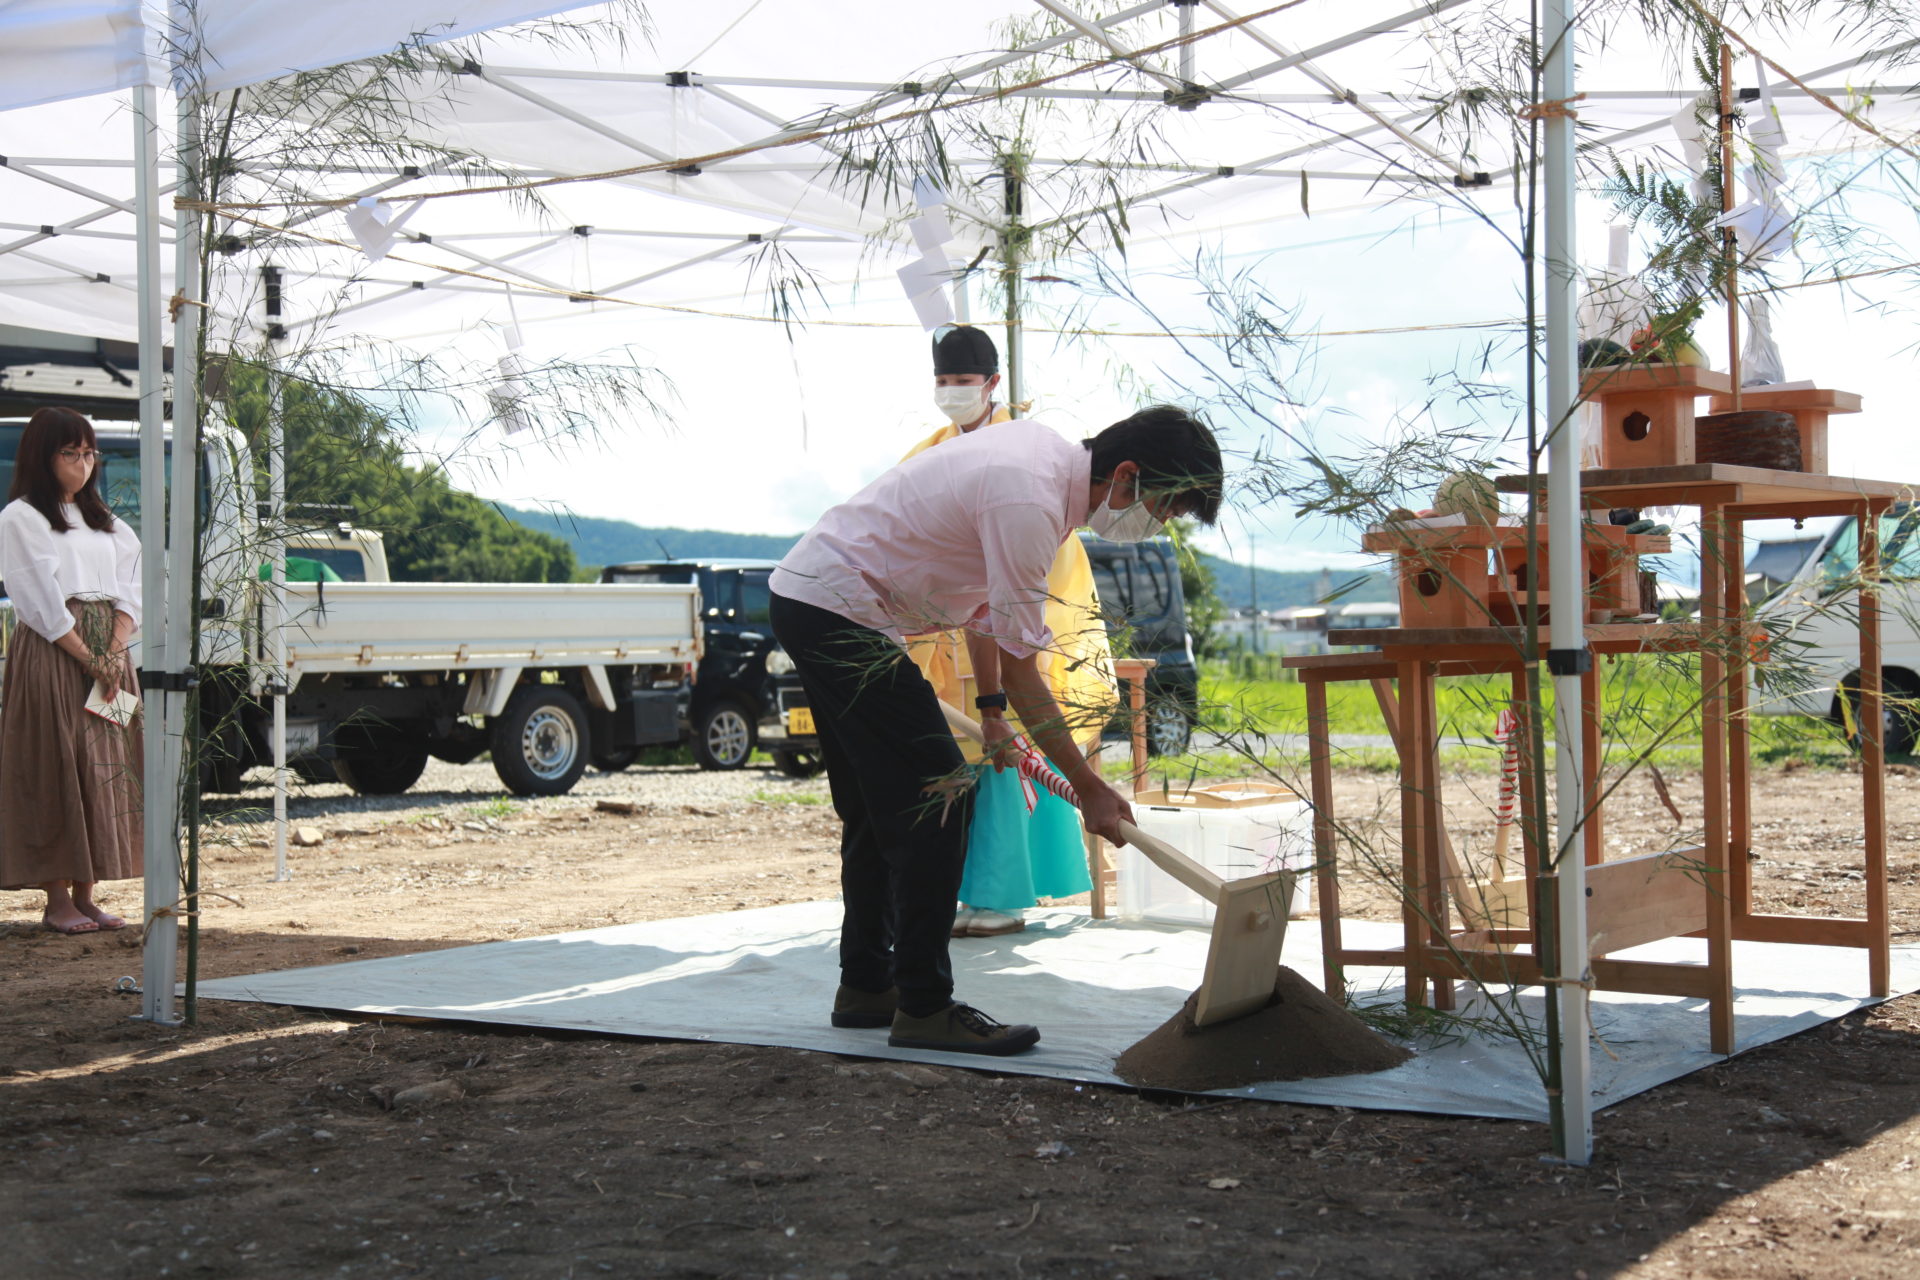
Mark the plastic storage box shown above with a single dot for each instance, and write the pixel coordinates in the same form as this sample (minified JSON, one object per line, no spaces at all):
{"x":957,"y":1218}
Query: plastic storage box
{"x":1234,"y":829}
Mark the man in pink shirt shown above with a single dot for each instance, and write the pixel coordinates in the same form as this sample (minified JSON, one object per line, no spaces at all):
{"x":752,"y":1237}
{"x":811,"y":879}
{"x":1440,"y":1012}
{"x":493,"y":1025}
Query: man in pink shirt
{"x":957,"y":537}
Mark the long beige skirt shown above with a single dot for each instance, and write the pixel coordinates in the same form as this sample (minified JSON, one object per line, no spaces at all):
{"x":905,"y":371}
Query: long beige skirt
{"x":70,"y":793}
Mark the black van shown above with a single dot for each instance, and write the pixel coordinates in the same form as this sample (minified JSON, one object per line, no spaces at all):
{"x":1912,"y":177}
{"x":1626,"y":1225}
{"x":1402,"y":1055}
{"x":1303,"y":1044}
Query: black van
{"x":1145,"y":611}
{"x":745,"y":692}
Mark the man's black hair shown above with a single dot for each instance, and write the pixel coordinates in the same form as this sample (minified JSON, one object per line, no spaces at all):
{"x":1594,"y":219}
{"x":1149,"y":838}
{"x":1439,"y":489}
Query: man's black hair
{"x":965,"y":349}
{"x":1176,"y":454}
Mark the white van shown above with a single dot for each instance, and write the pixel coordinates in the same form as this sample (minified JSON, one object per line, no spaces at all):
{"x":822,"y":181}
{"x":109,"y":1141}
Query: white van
{"x":1815,"y":623}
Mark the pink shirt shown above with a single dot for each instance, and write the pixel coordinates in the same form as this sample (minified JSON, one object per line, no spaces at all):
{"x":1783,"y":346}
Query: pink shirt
{"x":959,"y":536}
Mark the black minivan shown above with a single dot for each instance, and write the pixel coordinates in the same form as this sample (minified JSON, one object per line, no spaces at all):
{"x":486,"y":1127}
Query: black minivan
{"x":1145,"y":610}
{"x":745,"y":693}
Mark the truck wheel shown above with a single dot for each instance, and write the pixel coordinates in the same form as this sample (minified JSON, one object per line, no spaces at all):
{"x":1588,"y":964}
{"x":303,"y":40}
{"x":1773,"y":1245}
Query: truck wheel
{"x":1168,"y":729}
{"x":377,"y":772}
{"x":798,"y":764}
{"x":221,"y":774}
{"x":313,"y":769}
{"x":723,"y":736}
{"x":614,"y":759}
{"x":1899,"y":712}
{"x":540,"y":741}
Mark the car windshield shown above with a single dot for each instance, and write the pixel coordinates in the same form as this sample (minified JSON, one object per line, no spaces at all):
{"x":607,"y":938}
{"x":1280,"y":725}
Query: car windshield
{"x":346,"y":562}
{"x":1899,"y":549}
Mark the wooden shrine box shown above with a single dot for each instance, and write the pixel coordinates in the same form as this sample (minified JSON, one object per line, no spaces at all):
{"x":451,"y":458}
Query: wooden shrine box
{"x":1613,"y":572}
{"x":1442,"y":571}
{"x":1810,"y":407}
{"x":1646,"y":412}
{"x":1448,"y":578}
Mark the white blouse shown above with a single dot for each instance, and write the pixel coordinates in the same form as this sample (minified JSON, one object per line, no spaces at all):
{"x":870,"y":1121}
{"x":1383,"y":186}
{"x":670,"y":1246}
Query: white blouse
{"x":43,"y":569}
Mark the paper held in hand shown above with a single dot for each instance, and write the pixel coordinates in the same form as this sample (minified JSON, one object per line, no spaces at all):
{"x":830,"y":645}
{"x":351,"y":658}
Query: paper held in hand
{"x":119,"y":709}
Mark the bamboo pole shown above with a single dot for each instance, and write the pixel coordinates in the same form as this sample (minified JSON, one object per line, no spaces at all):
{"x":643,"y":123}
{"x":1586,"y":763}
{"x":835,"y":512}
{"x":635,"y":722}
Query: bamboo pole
{"x":1730,"y":242}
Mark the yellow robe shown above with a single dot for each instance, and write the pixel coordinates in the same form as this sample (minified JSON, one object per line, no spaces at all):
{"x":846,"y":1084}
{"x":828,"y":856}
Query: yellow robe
{"x":1079,"y":665}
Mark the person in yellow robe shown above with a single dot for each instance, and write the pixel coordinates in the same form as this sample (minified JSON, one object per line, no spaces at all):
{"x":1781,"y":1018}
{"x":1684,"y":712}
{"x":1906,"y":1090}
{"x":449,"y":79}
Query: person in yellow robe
{"x":1017,"y":855}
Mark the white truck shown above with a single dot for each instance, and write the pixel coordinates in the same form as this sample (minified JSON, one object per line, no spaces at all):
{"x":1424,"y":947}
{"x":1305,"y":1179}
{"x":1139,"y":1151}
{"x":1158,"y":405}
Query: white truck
{"x":1815,"y":617}
{"x":380,"y":676}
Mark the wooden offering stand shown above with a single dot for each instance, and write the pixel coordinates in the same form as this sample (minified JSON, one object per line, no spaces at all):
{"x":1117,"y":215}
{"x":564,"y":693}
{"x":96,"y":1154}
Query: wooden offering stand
{"x":1475,"y":575}
{"x":1630,"y":901}
{"x":1647,"y":411}
{"x":1704,"y":892}
{"x":1810,"y":407}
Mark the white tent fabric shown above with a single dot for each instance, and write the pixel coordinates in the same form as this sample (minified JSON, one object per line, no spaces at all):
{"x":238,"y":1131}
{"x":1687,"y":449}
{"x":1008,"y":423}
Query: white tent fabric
{"x":52,"y":50}
{"x":55,"y":50}
{"x":1307,"y":116}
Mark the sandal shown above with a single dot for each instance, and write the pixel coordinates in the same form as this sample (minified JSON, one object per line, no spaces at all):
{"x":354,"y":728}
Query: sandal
{"x":105,"y":920}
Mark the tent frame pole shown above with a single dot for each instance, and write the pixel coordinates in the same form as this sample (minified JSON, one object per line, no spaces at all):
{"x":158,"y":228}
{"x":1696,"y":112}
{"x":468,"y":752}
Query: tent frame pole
{"x":1569,"y":656}
{"x":161,"y":724}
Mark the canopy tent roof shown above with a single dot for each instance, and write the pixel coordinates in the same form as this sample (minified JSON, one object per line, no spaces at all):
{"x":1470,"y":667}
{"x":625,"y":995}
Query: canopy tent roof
{"x":716,"y":205}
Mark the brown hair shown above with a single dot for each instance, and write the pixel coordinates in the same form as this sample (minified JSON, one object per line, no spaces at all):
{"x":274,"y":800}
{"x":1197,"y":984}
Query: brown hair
{"x":49,"y":431}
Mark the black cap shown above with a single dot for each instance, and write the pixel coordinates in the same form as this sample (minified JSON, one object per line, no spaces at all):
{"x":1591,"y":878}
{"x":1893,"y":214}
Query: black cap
{"x":965,"y":349}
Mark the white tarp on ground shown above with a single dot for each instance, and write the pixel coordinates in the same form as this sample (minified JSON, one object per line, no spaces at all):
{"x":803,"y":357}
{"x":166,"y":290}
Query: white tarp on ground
{"x":1093,"y":987}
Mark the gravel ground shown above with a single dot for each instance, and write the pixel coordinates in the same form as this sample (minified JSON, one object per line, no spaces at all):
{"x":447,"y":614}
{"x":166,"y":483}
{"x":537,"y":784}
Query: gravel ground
{"x":445,"y":786}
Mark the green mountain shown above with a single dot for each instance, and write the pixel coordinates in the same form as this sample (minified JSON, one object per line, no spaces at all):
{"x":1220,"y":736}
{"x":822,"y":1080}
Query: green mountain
{"x":597,"y":541}
{"x":1241,"y":587}
{"x":602,"y":542}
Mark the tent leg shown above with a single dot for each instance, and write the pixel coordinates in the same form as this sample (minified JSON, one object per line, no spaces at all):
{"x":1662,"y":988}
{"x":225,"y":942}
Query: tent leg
{"x":159,"y":793}
{"x":1572,"y":1105}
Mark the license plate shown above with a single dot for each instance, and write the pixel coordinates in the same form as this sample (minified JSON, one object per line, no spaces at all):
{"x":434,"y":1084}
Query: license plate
{"x":800,"y":721}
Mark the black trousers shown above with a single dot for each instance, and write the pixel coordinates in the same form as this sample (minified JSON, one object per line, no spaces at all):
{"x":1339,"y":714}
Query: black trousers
{"x":899,"y":786}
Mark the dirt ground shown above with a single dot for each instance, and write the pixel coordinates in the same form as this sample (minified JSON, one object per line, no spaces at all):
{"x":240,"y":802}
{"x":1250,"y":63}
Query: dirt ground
{"x":275,"y":1142}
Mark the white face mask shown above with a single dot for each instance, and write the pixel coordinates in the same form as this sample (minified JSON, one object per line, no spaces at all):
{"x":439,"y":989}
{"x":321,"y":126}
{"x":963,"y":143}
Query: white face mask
{"x":1132,"y":523}
{"x":961,"y":404}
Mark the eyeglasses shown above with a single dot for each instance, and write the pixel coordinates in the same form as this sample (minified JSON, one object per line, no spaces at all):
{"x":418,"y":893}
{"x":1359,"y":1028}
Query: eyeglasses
{"x":79,"y":455}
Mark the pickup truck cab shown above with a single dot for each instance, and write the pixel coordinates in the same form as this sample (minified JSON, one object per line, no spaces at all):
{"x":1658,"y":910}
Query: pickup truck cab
{"x":745,"y":692}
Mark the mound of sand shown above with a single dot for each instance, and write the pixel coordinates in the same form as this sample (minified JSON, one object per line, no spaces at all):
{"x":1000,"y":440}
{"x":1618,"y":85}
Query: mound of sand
{"x":1299,"y":1035}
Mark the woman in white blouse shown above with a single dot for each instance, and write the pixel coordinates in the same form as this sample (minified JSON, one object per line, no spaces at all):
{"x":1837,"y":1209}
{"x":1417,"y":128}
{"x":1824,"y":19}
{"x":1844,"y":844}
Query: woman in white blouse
{"x":70,"y":797}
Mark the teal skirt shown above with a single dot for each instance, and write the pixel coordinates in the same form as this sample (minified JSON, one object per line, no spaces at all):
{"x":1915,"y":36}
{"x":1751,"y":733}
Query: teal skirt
{"x":1015,"y":858}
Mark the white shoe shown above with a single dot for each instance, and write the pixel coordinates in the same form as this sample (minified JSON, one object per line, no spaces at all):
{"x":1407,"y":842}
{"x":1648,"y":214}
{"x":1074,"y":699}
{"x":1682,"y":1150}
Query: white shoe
{"x":963,"y":920}
{"x":991,"y":924}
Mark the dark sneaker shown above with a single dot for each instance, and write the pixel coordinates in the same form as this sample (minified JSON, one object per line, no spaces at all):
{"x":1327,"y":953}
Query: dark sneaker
{"x":853,"y":1007}
{"x":960,"y":1028}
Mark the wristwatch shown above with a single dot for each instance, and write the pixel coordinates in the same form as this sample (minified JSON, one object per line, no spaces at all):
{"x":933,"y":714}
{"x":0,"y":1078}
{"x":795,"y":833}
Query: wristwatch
{"x":990,"y":702}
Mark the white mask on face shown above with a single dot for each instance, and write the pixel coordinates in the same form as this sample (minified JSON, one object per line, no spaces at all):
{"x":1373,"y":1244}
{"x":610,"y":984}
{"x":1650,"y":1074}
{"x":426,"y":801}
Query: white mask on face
{"x":1133,"y":523}
{"x":961,"y":404}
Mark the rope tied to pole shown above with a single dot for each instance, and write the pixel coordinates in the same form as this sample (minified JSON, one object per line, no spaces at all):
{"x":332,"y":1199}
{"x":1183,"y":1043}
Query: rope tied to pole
{"x":179,"y":302}
{"x":1553,"y":108}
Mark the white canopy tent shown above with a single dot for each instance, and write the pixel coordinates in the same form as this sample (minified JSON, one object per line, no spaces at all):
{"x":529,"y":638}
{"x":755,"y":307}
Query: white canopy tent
{"x":708,"y":152}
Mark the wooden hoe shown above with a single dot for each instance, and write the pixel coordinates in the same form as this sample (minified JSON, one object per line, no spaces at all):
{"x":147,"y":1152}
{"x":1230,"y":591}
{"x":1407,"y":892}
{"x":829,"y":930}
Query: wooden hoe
{"x":1249,"y":914}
